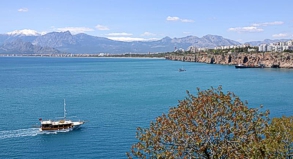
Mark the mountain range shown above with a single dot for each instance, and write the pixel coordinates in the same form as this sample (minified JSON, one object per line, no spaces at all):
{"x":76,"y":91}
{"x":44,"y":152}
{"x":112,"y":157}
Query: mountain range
{"x":65,"y":42}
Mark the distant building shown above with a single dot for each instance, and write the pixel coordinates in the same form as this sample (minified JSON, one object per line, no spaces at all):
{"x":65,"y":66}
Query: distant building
{"x":192,"y":49}
{"x":276,"y":47}
{"x":179,"y":50}
{"x":103,"y":54}
{"x":247,"y":45}
{"x":270,"y":48}
{"x":262,"y":48}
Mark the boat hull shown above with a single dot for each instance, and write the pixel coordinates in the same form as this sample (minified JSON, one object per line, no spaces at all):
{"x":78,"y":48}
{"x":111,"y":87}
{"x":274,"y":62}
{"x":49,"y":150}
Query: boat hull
{"x":59,"y":129}
{"x":237,"y":66}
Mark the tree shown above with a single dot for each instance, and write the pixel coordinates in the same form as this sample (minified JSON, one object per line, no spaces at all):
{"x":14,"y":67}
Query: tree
{"x":279,"y":138}
{"x":209,"y":125}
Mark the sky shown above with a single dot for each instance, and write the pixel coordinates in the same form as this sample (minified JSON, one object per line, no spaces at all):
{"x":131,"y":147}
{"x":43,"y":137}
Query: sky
{"x":142,"y":20}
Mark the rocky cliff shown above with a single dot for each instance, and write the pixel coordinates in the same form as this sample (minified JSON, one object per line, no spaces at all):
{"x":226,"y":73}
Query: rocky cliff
{"x":282,"y":60}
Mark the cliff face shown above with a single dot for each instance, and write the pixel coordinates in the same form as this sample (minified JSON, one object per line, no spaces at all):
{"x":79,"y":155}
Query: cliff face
{"x":282,"y":60}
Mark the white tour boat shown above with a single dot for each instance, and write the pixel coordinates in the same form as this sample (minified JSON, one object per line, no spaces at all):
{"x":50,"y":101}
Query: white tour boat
{"x":60,"y":125}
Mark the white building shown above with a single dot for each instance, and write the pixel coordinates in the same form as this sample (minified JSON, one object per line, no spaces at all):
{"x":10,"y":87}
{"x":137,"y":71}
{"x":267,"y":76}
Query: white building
{"x":192,"y":49}
{"x":262,"y":48}
{"x":276,"y":47}
{"x":270,"y":48}
{"x":179,"y":50}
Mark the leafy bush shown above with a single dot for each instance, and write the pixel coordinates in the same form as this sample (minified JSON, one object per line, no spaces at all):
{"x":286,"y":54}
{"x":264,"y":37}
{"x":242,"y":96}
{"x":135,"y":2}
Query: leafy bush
{"x":214,"y":125}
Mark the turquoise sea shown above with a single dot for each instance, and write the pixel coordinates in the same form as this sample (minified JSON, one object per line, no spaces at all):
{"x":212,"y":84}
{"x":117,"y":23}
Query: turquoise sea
{"x":115,"y":96}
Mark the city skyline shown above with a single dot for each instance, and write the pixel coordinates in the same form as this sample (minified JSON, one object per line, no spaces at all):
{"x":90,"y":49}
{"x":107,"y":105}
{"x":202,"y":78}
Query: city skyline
{"x":130,"y":20}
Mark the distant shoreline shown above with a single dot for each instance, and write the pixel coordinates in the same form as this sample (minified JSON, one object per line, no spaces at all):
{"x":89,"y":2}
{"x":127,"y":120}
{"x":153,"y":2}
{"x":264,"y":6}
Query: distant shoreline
{"x":143,"y":56}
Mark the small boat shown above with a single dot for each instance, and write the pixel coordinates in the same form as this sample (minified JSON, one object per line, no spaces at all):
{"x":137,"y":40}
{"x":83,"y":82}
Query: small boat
{"x":247,"y":66}
{"x":60,"y":125}
{"x":181,"y":69}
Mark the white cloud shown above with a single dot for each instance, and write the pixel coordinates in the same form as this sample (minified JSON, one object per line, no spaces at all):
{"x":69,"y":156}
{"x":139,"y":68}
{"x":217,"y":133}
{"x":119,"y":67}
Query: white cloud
{"x":281,"y":35}
{"x":101,"y":27}
{"x":148,"y":34}
{"x":22,"y":10}
{"x":27,"y":32}
{"x":255,"y":27}
{"x":75,"y":30}
{"x":187,"y":20}
{"x":246,"y":29}
{"x":268,"y":23}
{"x":43,"y":32}
{"x":169,"y":18}
{"x":128,"y":39}
{"x":119,"y":34}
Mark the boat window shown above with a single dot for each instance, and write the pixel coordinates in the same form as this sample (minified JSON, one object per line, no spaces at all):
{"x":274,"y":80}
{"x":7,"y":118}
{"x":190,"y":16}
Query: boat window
{"x":46,"y":125}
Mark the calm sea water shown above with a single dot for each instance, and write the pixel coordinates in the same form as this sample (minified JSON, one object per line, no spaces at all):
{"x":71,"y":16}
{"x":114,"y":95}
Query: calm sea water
{"x":115,"y":96}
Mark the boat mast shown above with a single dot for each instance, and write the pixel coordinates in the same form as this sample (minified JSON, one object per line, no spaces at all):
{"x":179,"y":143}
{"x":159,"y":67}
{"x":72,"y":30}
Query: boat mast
{"x":64,"y":109}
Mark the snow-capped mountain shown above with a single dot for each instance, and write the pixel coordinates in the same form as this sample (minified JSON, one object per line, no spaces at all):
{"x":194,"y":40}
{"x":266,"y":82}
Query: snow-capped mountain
{"x":24,"y":32}
{"x":83,"y":43}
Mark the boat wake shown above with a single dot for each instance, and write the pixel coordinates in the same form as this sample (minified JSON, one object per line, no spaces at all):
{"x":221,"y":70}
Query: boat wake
{"x":27,"y":132}
{"x":19,"y":133}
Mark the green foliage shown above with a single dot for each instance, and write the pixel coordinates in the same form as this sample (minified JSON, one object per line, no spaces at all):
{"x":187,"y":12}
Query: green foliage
{"x":279,"y":138}
{"x":211,"y":125}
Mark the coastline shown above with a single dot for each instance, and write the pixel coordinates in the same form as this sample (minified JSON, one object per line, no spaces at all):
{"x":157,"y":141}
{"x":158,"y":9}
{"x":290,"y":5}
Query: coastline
{"x":249,"y":60}
{"x":267,"y":60}
{"x":78,"y":56}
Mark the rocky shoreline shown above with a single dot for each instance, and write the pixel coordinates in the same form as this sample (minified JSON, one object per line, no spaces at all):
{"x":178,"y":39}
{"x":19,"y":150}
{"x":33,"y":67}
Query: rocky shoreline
{"x":279,"y":60}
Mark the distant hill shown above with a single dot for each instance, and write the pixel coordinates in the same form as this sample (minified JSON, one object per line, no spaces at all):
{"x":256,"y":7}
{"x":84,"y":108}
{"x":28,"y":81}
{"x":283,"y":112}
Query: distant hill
{"x":83,"y":43}
{"x":4,"y":38}
{"x":20,"y":47}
